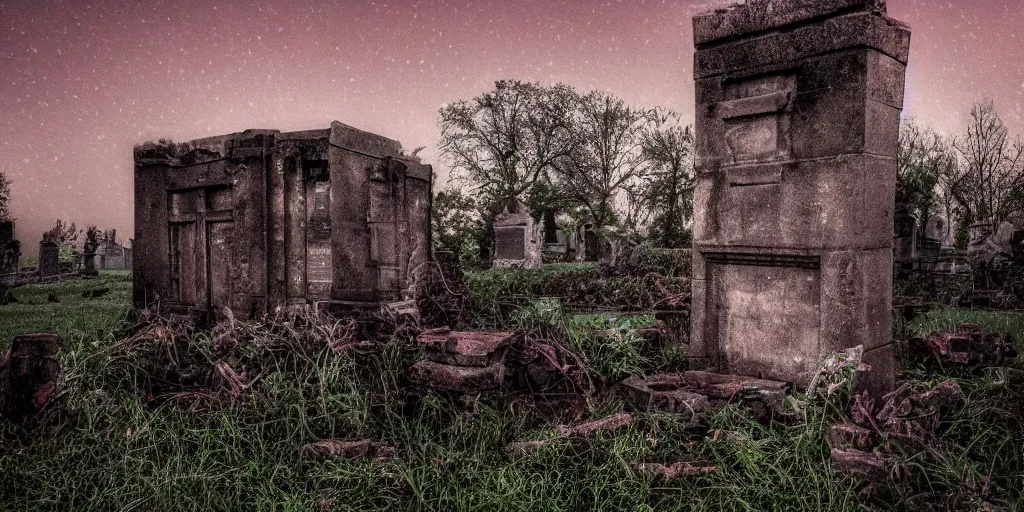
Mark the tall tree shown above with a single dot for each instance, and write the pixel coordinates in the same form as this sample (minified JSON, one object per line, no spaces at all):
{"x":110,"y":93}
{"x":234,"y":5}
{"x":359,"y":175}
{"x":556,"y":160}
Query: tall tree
{"x":993,"y":167}
{"x":456,"y":224}
{"x":503,"y":141}
{"x":923,"y":160}
{"x":62,"y":233}
{"x":667,"y":192}
{"x":608,"y":158}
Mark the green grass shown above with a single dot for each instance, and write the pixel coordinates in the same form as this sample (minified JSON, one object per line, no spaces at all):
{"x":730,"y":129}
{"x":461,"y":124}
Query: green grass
{"x":73,"y":317}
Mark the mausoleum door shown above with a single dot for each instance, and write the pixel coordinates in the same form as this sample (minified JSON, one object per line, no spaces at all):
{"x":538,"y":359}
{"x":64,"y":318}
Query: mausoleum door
{"x":200,"y":224}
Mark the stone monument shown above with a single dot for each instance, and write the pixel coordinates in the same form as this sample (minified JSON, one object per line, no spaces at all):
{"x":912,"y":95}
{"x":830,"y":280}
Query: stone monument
{"x":49,"y":260}
{"x":515,"y":237}
{"x":797,"y":118}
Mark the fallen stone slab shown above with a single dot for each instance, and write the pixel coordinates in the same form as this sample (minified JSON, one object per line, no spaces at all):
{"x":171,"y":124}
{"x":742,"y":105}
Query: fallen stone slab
{"x":522,"y":449}
{"x":859,"y":463}
{"x":727,"y":387}
{"x":675,"y":470}
{"x":849,"y":436}
{"x":463,"y":379}
{"x":465,"y":348}
{"x":28,"y":375}
{"x":666,"y":393}
{"x":352,"y":450}
{"x":609,"y":423}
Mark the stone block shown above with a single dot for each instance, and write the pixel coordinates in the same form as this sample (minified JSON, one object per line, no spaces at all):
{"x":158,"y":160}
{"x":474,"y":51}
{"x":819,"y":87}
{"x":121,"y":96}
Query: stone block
{"x":460,"y":379}
{"x":666,"y":393}
{"x":755,"y":16}
{"x":472,"y":348}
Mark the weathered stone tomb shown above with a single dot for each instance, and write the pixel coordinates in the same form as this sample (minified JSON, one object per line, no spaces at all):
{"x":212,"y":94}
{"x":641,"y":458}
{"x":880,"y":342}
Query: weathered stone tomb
{"x":798,"y":105}
{"x":262,"y":219}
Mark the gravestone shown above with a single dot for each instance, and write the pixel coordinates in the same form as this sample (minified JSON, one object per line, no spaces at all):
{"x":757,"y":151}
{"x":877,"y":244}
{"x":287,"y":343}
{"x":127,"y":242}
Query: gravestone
{"x":798,"y":105}
{"x":9,"y":249}
{"x":515,"y":238}
{"x":49,"y":260}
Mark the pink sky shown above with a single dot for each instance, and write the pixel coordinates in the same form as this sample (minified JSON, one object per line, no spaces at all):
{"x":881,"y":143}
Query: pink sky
{"x":82,"y":82}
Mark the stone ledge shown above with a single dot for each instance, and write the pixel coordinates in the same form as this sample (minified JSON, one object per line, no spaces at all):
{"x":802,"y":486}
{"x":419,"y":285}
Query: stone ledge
{"x":848,"y":32}
{"x":762,"y":15}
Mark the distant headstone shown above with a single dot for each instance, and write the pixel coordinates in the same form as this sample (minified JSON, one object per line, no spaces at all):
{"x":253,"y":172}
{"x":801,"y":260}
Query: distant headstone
{"x":49,"y":260}
{"x":515,"y":237}
{"x":10,"y":249}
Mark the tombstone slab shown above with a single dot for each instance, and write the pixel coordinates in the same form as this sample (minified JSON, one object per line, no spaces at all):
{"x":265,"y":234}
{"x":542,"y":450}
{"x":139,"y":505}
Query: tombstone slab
{"x":798,"y":105}
{"x":49,"y":260}
{"x":28,"y":375}
{"x":516,"y":237}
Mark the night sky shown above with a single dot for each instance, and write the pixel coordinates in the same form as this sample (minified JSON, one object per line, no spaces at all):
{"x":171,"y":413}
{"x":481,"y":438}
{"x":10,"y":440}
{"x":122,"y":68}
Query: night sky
{"x":81,"y":82}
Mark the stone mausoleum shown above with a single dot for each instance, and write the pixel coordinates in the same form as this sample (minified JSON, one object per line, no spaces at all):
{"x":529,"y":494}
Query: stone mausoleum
{"x":260,"y":220}
{"x":797,"y":119}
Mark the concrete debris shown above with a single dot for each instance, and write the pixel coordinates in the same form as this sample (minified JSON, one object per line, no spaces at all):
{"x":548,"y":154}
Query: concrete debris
{"x":969,"y":344}
{"x":352,"y":450}
{"x":666,"y":393}
{"x":849,"y":436}
{"x":675,"y":470}
{"x":614,"y":422}
{"x":470,"y":348}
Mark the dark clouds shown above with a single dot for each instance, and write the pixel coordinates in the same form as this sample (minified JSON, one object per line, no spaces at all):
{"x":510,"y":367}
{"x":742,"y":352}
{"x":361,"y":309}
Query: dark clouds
{"x":81,"y":82}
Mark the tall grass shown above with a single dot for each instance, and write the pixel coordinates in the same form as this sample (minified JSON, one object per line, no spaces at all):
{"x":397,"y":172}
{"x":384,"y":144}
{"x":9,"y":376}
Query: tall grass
{"x":120,"y":437}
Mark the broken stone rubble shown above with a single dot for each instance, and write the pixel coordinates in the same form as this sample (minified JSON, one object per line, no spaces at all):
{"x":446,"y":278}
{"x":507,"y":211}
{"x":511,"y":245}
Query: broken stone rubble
{"x":969,"y":344}
{"x":462,"y":361}
{"x":862,"y":446}
{"x":692,"y":392}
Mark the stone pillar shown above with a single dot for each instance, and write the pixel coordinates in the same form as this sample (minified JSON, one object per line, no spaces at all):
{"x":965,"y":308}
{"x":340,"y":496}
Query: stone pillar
{"x":798,"y":105}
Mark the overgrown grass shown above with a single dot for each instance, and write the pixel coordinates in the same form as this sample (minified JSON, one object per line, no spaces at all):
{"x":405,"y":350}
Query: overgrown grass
{"x":118,"y":438}
{"x":115,"y":449}
{"x":74,"y":317}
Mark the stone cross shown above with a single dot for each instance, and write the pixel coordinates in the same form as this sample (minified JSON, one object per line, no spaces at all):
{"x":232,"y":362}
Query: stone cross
{"x":797,"y":122}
